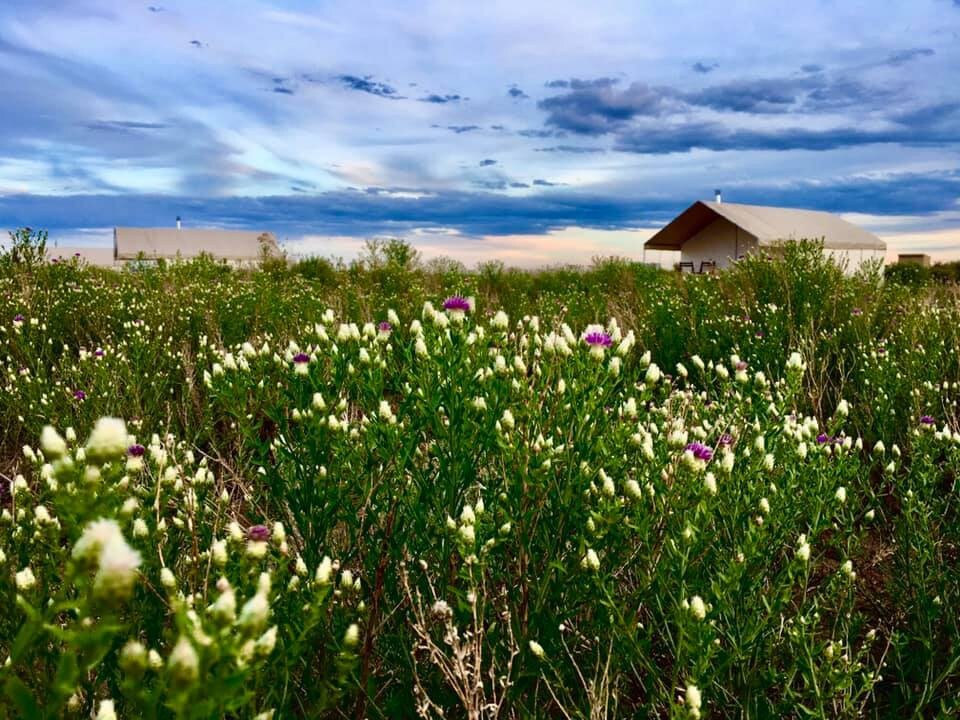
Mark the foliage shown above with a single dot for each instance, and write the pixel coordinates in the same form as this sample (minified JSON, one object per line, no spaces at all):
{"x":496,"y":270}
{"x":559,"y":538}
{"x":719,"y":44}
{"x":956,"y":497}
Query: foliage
{"x":333,"y":493}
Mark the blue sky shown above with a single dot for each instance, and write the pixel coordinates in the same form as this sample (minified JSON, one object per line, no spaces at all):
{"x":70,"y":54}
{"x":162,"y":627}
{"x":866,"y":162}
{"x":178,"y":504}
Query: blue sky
{"x":530,"y":131}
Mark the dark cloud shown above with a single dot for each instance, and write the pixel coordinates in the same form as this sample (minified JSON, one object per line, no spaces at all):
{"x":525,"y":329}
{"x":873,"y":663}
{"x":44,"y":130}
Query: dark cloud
{"x":155,"y":8}
{"x":367,"y":84}
{"x":373,"y":211}
{"x":934,"y":125}
{"x":533,"y":133}
{"x":517,"y":94}
{"x":283,"y":90}
{"x":811,"y":68}
{"x":460,"y":129}
{"x":580,"y":84}
{"x":902,"y":57}
{"x":441,"y":99}
{"x":753,"y":96}
{"x":597,"y":107}
{"x":196,"y":43}
{"x":491,"y":184}
{"x":704,"y":68}
{"x":498,"y":128}
{"x":574,"y":149}
{"x":487,"y":162}
{"x":519,"y":185}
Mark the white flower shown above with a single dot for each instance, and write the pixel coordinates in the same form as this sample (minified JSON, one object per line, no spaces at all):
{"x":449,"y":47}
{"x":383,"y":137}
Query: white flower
{"x":108,"y":441}
{"x":537,"y":650}
{"x":53,"y":444}
{"x":847,"y":569}
{"x":118,"y":569}
{"x":95,"y":535}
{"x":266,"y":642}
{"x":590,"y":560}
{"x":843,"y":408}
{"x":106,"y":711}
{"x":255,"y":612}
{"x":324,"y":571}
{"x":500,"y":321}
{"x":841,"y":494}
{"x":698,"y":608}
{"x":167,"y":578}
{"x":352,"y":637}
{"x":803,"y":549}
{"x":710,"y":483}
{"x":25,"y":579}
{"x":795,"y":362}
{"x":693,"y":700}
{"x":653,"y":374}
{"x":183,"y":663}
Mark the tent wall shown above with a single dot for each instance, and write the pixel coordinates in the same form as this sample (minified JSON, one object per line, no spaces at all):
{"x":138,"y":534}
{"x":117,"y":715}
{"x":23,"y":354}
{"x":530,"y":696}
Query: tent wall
{"x":721,"y":242}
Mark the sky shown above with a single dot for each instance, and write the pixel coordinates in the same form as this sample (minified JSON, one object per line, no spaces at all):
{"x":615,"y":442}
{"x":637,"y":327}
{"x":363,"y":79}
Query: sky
{"x":531,"y":132}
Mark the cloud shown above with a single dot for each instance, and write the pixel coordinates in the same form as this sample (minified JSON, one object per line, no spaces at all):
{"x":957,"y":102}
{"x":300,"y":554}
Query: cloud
{"x":902,"y":57}
{"x":196,"y":43}
{"x":519,"y":185}
{"x":441,"y":99}
{"x":574,"y":149}
{"x":397,"y":210}
{"x":596,"y":107}
{"x":704,"y":68}
{"x":155,"y":8}
{"x":753,"y":96}
{"x":535,"y":133}
{"x":811,"y":68}
{"x":517,"y":94}
{"x":934,"y":125}
{"x":123,"y":125}
{"x":580,"y":84}
{"x":487,"y":162}
{"x":366,"y":84}
{"x":460,"y":129}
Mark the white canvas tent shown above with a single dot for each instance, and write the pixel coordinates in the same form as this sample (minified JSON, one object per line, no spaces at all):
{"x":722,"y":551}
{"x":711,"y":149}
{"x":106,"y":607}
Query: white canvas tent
{"x":718,"y":233}
{"x":238,"y":246}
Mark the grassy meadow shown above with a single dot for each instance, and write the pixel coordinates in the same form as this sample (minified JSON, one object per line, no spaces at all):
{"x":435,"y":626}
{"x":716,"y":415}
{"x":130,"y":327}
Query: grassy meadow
{"x":391,"y":489}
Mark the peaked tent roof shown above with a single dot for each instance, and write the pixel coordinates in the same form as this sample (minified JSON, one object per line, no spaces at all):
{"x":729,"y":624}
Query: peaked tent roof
{"x":769,"y":225}
{"x":129,"y":243}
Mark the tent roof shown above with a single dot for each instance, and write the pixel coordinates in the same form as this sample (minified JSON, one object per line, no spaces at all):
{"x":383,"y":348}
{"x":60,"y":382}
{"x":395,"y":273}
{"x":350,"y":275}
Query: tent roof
{"x":130,"y":242}
{"x":769,"y":225}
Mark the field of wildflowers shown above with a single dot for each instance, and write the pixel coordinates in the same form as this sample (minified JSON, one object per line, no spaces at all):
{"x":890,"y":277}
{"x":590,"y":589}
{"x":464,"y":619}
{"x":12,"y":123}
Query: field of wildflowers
{"x":390,"y":491}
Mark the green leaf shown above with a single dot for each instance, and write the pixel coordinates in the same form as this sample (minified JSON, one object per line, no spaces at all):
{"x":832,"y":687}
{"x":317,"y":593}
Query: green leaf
{"x":22,"y":698}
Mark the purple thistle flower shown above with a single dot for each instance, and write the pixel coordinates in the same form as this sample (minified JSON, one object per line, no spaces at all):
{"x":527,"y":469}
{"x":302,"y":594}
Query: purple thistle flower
{"x":301,"y":358}
{"x":99,"y":352}
{"x":136,"y":450}
{"x":725,"y":440}
{"x":741,"y":365}
{"x":596,"y":339}
{"x":384,"y":327}
{"x":927,"y":420}
{"x":79,"y":395}
{"x":456,"y":303}
{"x":18,"y":318}
{"x":824,"y":439}
{"x":856,"y":312}
{"x":258,"y":533}
{"x":700,"y":451}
